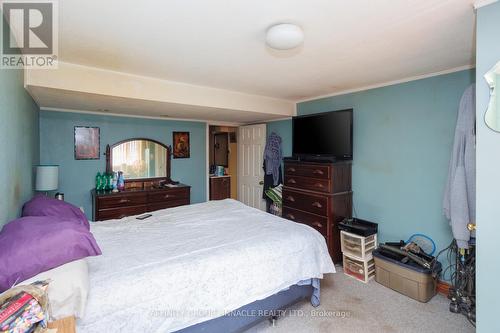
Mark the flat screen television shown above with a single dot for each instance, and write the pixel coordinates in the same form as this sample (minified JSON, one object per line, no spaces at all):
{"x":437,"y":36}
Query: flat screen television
{"x":325,"y":135}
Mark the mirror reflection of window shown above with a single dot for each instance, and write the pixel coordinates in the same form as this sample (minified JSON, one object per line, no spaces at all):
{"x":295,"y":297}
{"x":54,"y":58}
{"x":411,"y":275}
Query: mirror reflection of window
{"x":139,"y":159}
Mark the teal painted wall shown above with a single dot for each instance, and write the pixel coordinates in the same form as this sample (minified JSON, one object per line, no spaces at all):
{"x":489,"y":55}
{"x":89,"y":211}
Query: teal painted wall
{"x":19,"y":148}
{"x":403,"y":136}
{"x":284,"y":129}
{"x":488,"y":176}
{"x":77,"y":177}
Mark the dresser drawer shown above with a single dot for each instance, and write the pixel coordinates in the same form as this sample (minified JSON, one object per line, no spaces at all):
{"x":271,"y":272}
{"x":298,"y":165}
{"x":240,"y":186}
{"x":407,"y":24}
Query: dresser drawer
{"x":316,"y":204}
{"x":168,"y":195}
{"x":122,"y":200}
{"x":118,"y":213}
{"x":316,"y":171}
{"x":167,"y":204}
{"x":319,"y":223}
{"x":312,"y":184}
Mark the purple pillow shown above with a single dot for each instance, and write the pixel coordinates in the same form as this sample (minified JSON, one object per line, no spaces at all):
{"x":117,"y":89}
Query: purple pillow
{"x":42,"y":205}
{"x":35,"y":244}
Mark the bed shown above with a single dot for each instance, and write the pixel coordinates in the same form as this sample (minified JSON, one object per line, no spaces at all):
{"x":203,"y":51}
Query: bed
{"x":187,"y":268}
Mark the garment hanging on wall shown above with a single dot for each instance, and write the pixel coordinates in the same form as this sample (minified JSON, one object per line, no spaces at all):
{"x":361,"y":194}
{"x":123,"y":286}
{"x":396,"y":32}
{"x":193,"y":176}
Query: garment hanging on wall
{"x":459,"y":203}
{"x":273,"y":157}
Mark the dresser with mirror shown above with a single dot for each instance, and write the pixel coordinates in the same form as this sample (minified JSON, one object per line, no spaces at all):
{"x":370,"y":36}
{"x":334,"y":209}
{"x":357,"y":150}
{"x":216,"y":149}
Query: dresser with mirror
{"x":146,"y":166}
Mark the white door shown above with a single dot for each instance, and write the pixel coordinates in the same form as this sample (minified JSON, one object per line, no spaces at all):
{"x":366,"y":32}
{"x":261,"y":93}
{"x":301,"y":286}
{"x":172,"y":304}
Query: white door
{"x":251,"y":143}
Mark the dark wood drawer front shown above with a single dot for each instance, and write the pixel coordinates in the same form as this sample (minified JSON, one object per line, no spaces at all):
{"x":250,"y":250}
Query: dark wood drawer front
{"x":167,"y":204}
{"x":168,"y":195}
{"x":307,"y":202}
{"x":118,"y":213}
{"x":317,"y":222}
{"x":312,"y":184}
{"x":127,"y":200}
{"x":316,"y":171}
{"x":220,"y":188}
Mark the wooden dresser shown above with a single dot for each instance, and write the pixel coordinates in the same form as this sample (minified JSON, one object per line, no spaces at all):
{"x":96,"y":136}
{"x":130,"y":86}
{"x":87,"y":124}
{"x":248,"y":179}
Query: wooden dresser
{"x":319,"y":195}
{"x":108,"y":205}
{"x":220,"y":187}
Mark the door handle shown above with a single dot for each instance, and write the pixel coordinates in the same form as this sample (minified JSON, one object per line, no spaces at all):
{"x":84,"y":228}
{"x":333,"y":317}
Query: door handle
{"x":317,"y":204}
{"x":471,"y":226}
{"x":261,"y":182}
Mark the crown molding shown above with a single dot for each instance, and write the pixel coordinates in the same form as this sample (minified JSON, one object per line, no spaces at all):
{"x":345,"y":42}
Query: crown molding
{"x":112,"y":114}
{"x":389,"y":83}
{"x":481,"y":3}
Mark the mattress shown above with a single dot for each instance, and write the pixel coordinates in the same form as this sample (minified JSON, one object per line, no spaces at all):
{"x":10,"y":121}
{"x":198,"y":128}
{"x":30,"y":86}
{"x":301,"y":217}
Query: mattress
{"x":189,"y":264}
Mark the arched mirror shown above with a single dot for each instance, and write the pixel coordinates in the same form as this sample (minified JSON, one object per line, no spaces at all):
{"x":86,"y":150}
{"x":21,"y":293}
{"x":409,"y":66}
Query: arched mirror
{"x":492,"y":116}
{"x":139,"y":158}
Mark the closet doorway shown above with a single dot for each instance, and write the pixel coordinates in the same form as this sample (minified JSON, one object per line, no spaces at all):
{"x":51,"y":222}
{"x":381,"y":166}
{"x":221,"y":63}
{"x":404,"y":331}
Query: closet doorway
{"x":222,"y":162}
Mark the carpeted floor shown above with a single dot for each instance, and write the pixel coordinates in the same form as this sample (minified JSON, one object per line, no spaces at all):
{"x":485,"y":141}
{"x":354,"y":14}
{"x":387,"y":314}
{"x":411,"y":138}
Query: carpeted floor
{"x":351,"y":306}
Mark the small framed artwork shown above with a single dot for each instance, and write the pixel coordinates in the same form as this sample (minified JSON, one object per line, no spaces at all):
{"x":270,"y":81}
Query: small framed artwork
{"x":87,"y":143}
{"x":181,"y":145}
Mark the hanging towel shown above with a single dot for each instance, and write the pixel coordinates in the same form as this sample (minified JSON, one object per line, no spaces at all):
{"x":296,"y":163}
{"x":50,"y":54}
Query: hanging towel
{"x":273,"y":156}
{"x":459,"y":203}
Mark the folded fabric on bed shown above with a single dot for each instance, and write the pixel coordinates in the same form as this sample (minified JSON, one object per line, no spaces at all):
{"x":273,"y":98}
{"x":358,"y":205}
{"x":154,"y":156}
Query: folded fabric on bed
{"x":34,"y":244}
{"x":42,"y":205}
{"x":190,"y":264}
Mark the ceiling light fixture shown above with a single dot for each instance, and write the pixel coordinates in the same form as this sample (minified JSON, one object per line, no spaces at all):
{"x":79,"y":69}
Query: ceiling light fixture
{"x":284,"y":36}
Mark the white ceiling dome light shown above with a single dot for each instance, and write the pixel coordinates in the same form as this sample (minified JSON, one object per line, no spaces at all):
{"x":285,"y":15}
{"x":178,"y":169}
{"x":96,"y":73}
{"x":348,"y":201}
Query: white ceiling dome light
{"x":284,"y":36}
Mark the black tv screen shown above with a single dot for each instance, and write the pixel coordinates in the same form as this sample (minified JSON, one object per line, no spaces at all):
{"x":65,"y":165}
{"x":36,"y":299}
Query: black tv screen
{"x":326,"y":134}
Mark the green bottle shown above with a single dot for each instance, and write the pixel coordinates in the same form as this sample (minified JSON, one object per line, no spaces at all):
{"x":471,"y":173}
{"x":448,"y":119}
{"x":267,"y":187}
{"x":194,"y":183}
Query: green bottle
{"x":98,"y":182}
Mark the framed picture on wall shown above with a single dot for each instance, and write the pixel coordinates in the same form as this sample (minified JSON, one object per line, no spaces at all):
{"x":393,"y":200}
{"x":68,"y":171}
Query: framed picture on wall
{"x":87,"y":143}
{"x":181,"y":145}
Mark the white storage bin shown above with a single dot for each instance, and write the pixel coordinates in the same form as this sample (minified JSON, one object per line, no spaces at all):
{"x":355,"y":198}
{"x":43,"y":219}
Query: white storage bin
{"x":357,"y":247}
{"x":361,"y":270}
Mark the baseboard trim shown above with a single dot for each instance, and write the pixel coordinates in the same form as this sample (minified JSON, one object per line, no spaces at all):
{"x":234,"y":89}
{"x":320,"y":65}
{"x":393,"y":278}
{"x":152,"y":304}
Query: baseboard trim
{"x":443,"y":287}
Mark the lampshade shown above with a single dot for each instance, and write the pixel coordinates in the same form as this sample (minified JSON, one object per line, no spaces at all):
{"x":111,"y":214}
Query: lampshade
{"x":47,"y":177}
{"x":284,"y":36}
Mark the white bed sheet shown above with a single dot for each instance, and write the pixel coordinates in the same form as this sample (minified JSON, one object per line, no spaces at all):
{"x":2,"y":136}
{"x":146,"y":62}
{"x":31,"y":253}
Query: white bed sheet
{"x":189,"y":264}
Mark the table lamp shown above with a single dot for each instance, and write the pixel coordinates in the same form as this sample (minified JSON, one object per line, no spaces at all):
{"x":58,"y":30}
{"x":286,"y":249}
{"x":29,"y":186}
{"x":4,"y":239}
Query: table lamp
{"x":47,"y":178}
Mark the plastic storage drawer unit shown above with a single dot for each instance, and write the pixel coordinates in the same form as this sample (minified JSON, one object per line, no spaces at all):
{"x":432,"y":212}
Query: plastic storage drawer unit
{"x":410,"y":280}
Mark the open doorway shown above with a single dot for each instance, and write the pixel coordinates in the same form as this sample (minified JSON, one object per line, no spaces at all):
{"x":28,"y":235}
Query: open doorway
{"x":223,"y":162}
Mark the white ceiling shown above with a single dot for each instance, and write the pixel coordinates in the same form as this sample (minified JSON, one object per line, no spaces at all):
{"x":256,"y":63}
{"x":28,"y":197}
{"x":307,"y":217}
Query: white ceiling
{"x":220,"y":43}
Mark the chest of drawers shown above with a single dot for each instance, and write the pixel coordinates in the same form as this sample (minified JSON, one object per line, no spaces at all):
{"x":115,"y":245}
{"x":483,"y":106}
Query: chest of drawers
{"x":109,"y":205}
{"x":319,"y":195}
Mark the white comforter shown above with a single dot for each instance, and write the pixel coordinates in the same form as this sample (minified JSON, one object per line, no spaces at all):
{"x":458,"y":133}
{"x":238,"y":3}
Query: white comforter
{"x":189,"y":264}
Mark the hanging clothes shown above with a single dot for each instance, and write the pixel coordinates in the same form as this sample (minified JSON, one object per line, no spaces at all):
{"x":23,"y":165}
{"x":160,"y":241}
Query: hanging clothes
{"x":459,"y":203}
{"x":273,"y":157}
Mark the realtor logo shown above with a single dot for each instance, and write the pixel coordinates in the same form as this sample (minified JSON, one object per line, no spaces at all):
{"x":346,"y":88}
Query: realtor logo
{"x":29,"y":34}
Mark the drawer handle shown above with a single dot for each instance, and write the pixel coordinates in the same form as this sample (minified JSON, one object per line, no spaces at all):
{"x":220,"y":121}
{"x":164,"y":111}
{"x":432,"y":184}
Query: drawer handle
{"x":317,"y":224}
{"x":291,"y":169}
{"x":318,"y":185}
{"x":290,"y":216}
{"x":122,"y":216}
{"x":124,"y":200}
{"x":290,"y":198}
{"x":318,"y":172}
{"x":292,"y":181}
{"x":167,"y":196}
{"x":317,"y":204}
